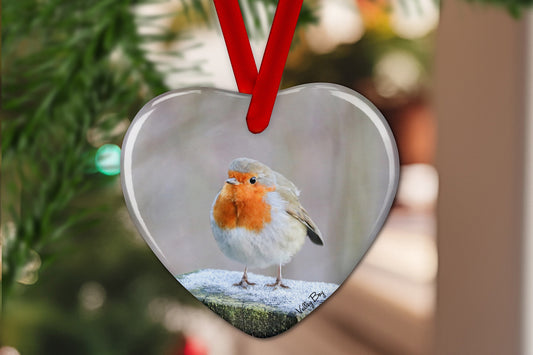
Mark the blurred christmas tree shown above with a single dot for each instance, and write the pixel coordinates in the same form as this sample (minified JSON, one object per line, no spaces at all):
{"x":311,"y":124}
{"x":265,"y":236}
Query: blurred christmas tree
{"x":74,"y":74}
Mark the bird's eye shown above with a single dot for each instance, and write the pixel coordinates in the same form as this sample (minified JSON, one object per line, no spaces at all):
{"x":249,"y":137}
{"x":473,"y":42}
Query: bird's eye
{"x":253,"y":180}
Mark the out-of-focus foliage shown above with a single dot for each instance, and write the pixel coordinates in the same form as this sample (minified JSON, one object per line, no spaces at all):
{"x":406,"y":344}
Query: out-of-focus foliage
{"x":252,"y":11}
{"x":361,"y":59}
{"x":98,"y":297}
{"x":515,"y":7}
{"x":72,"y":72}
{"x":68,"y":68}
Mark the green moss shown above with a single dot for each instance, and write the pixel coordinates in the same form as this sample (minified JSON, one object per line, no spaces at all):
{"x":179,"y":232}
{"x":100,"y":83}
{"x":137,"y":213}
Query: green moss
{"x":258,"y":311}
{"x":255,"y":319}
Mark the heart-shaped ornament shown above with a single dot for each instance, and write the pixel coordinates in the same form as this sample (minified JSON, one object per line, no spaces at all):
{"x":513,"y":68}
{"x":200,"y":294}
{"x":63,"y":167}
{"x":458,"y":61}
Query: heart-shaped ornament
{"x":312,"y":194}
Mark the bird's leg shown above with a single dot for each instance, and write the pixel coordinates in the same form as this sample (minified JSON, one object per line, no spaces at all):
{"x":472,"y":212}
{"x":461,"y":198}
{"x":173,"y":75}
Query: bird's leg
{"x":278,"y":280}
{"x":245,"y":277}
{"x":244,"y":280}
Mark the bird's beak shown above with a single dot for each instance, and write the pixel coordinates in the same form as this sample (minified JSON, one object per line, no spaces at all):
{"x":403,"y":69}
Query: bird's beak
{"x":232,"y":181}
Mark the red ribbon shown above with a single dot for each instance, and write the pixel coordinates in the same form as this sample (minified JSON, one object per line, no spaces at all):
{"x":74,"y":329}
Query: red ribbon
{"x":263,"y":86}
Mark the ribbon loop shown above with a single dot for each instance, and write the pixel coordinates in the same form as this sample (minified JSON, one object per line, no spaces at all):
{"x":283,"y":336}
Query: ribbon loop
{"x":237,"y":43}
{"x":263,"y":86}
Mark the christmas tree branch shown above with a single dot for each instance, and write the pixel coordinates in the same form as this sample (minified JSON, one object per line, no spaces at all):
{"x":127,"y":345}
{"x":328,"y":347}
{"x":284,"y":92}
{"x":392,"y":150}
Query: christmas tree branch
{"x":69,"y":68}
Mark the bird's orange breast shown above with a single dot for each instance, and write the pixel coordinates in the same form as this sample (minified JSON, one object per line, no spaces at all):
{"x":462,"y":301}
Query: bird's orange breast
{"x":242,"y":206}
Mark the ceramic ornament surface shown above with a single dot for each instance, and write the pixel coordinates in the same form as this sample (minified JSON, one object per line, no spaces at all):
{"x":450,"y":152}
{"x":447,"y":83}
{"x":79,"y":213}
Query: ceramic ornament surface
{"x":310,"y":192}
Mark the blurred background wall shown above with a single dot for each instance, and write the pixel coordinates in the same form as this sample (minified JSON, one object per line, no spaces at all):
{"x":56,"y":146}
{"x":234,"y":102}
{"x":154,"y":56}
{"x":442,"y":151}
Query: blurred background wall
{"x":482,"y":97}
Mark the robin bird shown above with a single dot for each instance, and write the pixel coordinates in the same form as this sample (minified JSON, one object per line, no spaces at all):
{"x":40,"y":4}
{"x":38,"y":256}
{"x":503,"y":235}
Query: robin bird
{"x":258,"y":220}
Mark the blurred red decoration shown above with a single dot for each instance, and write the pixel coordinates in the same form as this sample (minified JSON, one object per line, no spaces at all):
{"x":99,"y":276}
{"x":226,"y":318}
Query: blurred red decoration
{"x":194,"y":346}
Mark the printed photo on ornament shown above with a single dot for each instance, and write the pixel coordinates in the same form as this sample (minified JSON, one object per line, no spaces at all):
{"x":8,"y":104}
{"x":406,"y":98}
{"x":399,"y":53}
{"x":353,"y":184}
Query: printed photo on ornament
{"x":253,"y":224}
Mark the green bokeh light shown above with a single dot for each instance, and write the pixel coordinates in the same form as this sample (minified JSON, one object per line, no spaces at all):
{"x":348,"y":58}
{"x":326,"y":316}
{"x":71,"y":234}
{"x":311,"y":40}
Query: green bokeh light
{"x":107,"y":159}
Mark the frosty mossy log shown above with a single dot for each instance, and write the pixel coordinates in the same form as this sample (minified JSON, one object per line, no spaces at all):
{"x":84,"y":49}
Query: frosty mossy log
{"x":257,"y":310}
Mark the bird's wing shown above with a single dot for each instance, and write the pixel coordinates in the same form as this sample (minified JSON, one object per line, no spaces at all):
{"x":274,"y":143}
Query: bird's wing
{"x":289,"y":192}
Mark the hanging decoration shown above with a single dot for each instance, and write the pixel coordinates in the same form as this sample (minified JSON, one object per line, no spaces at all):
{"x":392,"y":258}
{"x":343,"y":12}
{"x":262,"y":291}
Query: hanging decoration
{"x":231,"y":189}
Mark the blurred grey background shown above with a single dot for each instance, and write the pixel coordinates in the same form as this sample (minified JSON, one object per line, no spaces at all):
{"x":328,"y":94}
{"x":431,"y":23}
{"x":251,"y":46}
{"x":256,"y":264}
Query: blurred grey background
{"x":331,"y":143}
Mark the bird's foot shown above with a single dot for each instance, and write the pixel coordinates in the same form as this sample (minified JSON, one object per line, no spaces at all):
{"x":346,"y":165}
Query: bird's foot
{"x":244,"y":283}
{"x":277,"y":283}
